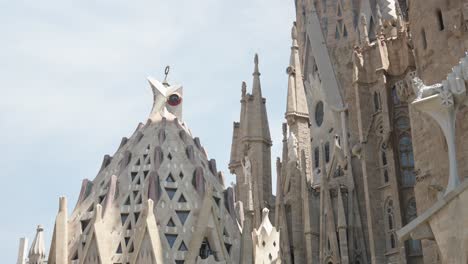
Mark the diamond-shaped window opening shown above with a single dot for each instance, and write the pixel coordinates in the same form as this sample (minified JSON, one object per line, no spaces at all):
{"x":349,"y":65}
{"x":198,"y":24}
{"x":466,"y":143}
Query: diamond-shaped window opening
{"x":183,"y":247}
{"x":171,"y":238}
{"x":123,"y":218}
{"x":169,"y":156}
{"x":133,"y":175}
{"x":182,"y":199}
{"x":183,"y":215}
{"x":170,"y":178}
{"x":171,"y":192}
{"x":171,"y":223}
{"x":181,"y":175}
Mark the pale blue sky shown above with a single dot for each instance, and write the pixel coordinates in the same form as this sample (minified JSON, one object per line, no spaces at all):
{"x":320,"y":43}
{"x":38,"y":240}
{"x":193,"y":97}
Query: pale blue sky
{"x":73,"y":83}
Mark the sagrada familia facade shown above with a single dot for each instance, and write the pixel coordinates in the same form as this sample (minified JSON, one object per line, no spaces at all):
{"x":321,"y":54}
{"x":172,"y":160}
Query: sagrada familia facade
{"x":374,"y":165}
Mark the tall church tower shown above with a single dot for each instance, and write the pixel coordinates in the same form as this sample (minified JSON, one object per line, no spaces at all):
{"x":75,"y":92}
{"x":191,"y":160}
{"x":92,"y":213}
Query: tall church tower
{"x":252,"y":140}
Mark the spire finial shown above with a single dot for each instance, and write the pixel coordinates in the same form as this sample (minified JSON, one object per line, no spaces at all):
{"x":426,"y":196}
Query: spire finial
{"x":244,"y":89}
{"x":256,"y":70}
{"x":363,"y":29}
{"x":294,"y":35}
{"x":166,"y":73}
{"x":380,"y":27}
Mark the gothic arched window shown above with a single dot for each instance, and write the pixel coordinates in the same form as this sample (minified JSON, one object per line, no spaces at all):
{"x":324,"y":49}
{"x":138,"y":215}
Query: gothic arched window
{"x":440,"y":19}
{"x":405,"y":148}
{"x":319,"y":113}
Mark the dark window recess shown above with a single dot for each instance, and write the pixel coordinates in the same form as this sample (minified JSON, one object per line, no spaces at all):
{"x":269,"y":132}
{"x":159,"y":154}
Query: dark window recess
{"x":316,"y":157}
{"x":423,"y":38}
{"x":228,"y":248}
{"x":171,"y":239}
{"x":319,"y":113}
{"x":170,"y":223}
{"x":183,"y":215}
{"x":137,"y":216}
{"x":182,"y":199}
{"x":205,"y":249}
{"x":127,"y":241}
{"x":171,"y":192}
{"x":123,"y":218}
{"x":170,"y":178}
{"x":440,"y":19}
{"x":84,"y":224}
{"x":183,"y":247}
{"x":119,"y":249}
{"x":327,"y":152}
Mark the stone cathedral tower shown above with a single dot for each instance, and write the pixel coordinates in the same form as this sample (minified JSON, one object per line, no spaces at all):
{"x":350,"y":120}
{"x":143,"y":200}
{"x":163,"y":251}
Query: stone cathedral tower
{"x":251,"y":138}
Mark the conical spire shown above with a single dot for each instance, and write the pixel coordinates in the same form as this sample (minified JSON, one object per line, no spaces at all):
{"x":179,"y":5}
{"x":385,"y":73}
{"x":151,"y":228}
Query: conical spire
{"x":296,"y":103}
{"x":256,"y":86}
{"x":37,"y":252}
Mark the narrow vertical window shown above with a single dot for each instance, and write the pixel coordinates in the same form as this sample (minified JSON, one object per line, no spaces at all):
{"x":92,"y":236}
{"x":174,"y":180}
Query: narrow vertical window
{"x":423,"y":39}
{"x":316,"y":157}
{"x":376,"y":102}
{"x":440,"y":20}
{"x":327,"y":152}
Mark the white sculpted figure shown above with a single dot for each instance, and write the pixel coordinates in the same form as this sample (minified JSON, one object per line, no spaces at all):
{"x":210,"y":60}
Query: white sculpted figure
{"x":247,"y":167}
{"x":292,"y":148}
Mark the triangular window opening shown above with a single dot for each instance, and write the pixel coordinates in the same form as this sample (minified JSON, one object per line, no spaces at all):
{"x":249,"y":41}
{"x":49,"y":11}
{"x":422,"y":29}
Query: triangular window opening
{"x":138,"y":182}
{"x":228,"y":248}
{"x":131,"y":249}
{"x":225,"y":233}
{"x":148,"y":162}
{"x":183,"y":247}
{"x":171,"y":192}
{"x":170,"y":178}
{"x":181,"y":175}
{"x":217,"y":200}
{"x":135,"y":193}
{"x":345,"y":31}
{"x":84,"y":224}
{"x":183,"y":215}
{"x":182,"y":199}
{"x":339,"y":11}
{"x":129,"y":226}
{"x":127,"y":201}
{"x":205,"y":249}
{"x":75,"y":256}
{"x":171,"y":238}
{"x":171,"y":223}
{"x":127,"y":241}
{"x":123,"y":218}
{"x":179,"y":261}
{"x":119,"y":249}
{"x":101,"y":198}
{"x":91,"y":208}
{"x":139,"y":200}
{"x":145,"y":174}
{"x":133,"y":174}
{"x":137,"y":216}
{"x":138,"y":163}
